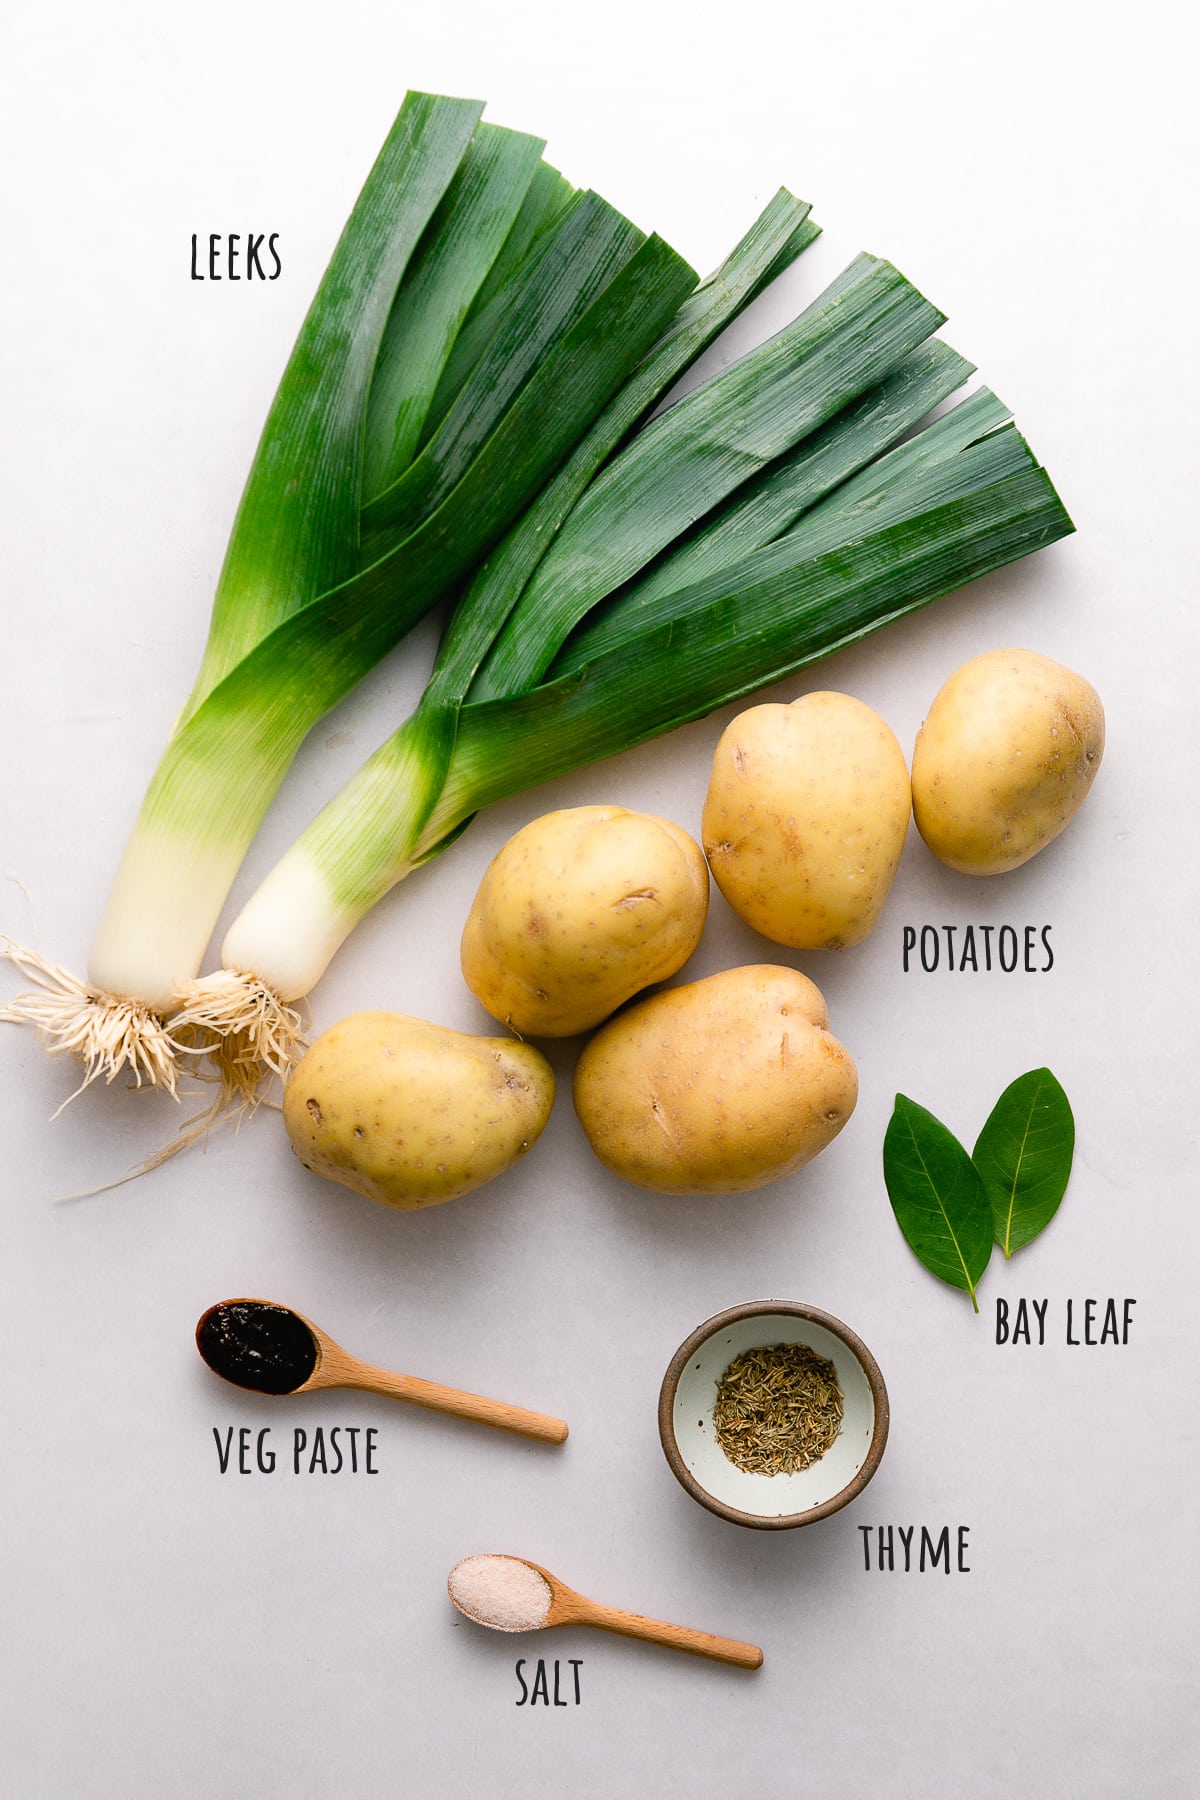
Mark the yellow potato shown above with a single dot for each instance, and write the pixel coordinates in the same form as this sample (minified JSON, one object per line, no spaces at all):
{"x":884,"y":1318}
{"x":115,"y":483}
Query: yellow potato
{"x":1004,"y":760}
{"x":411,"y":1114}
{"x":580,"y":911}
{"x":805,"y":819}
{"x":717,"y":1087}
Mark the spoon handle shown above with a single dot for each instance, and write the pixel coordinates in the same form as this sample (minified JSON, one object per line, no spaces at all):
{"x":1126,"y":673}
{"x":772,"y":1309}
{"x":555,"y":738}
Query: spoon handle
{"x":675,"y":1637}
{"x":436,"y":1398}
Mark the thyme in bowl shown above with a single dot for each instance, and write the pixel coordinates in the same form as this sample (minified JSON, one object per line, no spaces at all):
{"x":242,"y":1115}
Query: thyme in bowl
{"x":778,"y":1409}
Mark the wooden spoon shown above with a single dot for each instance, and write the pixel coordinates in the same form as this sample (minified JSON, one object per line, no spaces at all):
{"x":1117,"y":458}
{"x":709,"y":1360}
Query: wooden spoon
{"x":563,"y":1606}
{"x":261,"y":1345}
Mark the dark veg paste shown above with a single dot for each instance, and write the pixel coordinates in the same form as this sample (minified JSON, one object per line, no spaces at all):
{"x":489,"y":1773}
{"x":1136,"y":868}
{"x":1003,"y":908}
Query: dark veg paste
{"x":257,"y":1345}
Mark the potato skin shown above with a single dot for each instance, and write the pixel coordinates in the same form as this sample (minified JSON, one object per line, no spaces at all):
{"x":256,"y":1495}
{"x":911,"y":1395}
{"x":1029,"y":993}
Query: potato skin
{"x":578,"y":912}
{"x":411,"y":1114}
{"x":1004,"y":760}
{"x":805,"y":819}
{"x":717,"y":1087}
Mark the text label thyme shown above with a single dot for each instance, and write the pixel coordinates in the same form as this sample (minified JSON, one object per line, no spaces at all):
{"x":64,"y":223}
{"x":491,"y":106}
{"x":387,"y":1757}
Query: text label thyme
{"x":901,"y":1547}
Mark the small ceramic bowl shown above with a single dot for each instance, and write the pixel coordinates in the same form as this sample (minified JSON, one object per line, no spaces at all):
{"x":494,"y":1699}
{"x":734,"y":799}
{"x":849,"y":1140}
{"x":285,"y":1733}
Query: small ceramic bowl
{"x":771,"y":1502}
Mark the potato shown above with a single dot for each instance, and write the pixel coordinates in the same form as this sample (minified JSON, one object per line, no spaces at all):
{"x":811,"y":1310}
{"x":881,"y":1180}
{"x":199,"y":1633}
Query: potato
{"x":411,"y":1114}
{"x":580,"y":911}
{"x":1004,"y":760}
{"x":805,"y":819}
{"x":717,"y":1087}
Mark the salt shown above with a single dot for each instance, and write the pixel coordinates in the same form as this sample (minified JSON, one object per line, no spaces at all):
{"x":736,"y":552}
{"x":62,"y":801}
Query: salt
{"x":501,"y":1591}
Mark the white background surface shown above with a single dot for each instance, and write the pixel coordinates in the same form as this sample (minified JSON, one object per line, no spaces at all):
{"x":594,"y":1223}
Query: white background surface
{"x":169,"y":1631}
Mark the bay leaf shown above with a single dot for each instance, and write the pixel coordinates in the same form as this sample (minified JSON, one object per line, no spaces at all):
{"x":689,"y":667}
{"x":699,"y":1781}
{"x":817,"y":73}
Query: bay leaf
{"x":1024,"y":1156}
{"x":938,"y":1196}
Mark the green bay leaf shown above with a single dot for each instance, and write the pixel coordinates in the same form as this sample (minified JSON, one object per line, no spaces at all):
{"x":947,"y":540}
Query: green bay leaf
{"x":1024,"y":1156}
{"x":938,"y":1196}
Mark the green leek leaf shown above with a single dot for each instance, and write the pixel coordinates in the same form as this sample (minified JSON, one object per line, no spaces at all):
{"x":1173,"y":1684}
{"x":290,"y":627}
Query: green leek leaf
{"x":457,"y":251}
{"x":959,"y":429}
{"x":776,"y":614}
{"x":588,"y":247}
{"x":781,"y":232}
{"x":980,"y":466}
{"x":548,"y":197}
{"x":690,"y":458}
{"x":297,"y":527}
{"x":763,"y":509}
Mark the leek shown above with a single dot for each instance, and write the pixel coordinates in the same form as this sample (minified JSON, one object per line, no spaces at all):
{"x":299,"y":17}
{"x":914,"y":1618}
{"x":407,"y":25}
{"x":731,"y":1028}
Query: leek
{"x":244,"y":1012}
{"x":821,"y":520}
{"x":315,"y":587}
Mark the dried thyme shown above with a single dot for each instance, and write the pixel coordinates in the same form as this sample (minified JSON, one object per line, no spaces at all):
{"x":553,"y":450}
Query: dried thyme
{"x":778,"y":1410}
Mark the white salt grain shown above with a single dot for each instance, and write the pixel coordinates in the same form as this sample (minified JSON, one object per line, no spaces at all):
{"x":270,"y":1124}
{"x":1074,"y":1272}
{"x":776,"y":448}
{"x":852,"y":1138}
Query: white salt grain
{"x":501,"y":1591}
